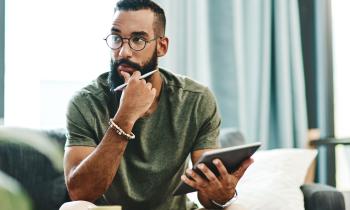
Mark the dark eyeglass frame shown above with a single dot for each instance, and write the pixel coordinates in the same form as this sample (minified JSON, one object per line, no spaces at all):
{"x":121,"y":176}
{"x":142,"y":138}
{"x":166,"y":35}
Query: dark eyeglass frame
{"x":123,"y":38}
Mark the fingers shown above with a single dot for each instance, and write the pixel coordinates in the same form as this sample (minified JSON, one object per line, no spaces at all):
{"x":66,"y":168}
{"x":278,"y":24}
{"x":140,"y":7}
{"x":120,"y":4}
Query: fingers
{"x":231,"y":179}
{"x":137,"y":97}
{"x":221,"y":168}
{"x":125,"y":75}
{"x":149,"y":85}
{"x":135,"y":79}
{"x":200,"y":183}
{"x":221,"y":188}
{"x":195,"y":180}
{"x":218,"y":188}
{"x":244,"y":166}
{"x":209,"y":174}
{"x":227,"y":180}
{"x":189,"y":181}
{"x":136,"y":75}
{"x":154,"y":91}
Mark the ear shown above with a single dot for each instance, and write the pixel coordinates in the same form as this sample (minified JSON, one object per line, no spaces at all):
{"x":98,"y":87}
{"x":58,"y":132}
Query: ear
{"x":162,"y":47}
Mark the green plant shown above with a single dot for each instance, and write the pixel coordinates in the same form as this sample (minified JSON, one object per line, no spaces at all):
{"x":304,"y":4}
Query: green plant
{"x":12,"y":195}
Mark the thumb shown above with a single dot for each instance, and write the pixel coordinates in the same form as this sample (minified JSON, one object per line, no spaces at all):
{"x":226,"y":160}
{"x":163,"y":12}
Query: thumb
{"x":125,"y":75}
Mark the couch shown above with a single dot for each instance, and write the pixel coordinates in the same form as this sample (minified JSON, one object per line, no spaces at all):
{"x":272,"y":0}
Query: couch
{"x":43,"y":183}
{"x":46,"y":187}
{"x":316,"y":196}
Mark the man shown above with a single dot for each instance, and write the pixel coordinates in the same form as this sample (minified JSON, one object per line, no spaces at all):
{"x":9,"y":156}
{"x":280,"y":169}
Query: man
{"x":130,"y":147}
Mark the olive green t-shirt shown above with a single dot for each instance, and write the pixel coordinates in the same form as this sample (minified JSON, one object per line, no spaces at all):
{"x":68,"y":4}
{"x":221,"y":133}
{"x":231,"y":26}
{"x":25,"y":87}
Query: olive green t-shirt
{"x":186,"y":119}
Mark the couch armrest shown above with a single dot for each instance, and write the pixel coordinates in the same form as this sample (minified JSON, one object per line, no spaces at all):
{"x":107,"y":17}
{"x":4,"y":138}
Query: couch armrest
{"x":322,"y":197}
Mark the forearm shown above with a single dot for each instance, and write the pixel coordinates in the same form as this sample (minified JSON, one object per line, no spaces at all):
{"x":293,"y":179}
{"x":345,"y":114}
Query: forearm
{"x":92,"y":177}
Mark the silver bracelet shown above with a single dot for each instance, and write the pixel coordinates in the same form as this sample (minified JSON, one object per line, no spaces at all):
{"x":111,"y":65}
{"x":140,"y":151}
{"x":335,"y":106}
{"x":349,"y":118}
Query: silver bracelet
{"x":228,"y":203}
{"x":120,"y":131}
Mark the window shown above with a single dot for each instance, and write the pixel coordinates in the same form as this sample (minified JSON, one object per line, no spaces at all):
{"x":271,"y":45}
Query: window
{"x":52,"y":49}
{"x":341,"y":46}
{"x":341,"y":43}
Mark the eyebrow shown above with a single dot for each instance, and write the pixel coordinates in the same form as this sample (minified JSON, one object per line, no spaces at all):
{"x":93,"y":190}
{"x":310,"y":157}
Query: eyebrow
{"x":135,"y":33}
{"x":139,"y":33}
{"x":115,"y":30}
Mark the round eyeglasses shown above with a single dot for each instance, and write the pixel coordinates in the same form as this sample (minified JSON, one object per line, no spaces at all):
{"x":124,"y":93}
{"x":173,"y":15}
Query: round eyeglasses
{"x":136,"y":43}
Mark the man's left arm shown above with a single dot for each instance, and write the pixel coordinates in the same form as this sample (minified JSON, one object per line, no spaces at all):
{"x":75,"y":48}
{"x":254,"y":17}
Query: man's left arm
{"x":219,"y":189}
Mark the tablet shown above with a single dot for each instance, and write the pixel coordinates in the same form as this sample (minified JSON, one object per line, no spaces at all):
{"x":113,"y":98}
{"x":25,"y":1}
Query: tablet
{"x":231,"y":157}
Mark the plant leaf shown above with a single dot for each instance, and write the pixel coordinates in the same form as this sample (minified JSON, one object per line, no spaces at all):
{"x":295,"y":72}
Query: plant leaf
{"x":12,"y":196}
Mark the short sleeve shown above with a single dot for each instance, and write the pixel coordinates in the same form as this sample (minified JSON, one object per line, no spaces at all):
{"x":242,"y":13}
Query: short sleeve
{"x":208,"y":113}
{"x":79,"y":131}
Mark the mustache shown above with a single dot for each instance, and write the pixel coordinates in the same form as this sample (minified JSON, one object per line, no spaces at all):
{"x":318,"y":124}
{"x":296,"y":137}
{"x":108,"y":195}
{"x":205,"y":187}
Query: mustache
{"x":128,"y":63}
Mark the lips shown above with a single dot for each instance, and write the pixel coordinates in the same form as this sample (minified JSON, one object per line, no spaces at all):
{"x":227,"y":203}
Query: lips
{"x":126,"y":68}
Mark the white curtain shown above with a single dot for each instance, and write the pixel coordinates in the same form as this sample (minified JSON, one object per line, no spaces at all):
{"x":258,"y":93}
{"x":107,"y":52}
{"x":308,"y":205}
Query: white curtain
{"x":187,"y":27}
{"x":249,"y":53}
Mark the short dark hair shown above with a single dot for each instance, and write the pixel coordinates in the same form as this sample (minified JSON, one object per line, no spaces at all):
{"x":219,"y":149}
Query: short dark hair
{"x":134,"y":5}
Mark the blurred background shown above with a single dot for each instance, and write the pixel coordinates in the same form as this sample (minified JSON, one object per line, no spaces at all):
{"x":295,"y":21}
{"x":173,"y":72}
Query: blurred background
{"x":279,"y":68}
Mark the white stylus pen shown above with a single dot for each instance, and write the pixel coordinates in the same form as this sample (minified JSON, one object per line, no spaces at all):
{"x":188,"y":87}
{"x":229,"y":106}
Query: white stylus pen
{"x":120,"y":87}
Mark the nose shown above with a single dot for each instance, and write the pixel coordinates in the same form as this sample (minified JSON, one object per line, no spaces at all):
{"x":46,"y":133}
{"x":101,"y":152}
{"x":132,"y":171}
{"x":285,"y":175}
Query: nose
{"x":125,"y":50}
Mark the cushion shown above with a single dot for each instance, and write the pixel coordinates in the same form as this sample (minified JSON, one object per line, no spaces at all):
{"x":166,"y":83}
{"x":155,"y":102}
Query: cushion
{"x":322,"y":197}
{"x":273,"y":181}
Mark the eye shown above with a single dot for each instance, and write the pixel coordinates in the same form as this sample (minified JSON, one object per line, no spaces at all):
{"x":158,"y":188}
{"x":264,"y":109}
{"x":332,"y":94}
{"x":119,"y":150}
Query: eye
{"x":116,"y":38}
{"x":137,"y":40}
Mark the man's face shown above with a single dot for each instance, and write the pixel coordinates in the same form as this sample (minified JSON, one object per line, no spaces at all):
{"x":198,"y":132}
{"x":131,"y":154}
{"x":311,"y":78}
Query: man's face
{"x":127,"y":24}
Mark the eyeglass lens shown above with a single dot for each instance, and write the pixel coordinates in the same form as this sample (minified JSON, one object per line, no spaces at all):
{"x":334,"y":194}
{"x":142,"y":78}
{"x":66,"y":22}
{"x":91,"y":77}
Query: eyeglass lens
{"x":135,"y":42}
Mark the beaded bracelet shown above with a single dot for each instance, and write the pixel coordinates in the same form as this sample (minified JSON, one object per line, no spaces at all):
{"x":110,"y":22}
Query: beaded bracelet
{"x":120,"y":131}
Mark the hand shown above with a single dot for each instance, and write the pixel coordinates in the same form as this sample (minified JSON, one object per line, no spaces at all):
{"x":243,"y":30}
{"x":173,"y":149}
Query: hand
{"x":220,"y":189}
{"x":136,"y":98}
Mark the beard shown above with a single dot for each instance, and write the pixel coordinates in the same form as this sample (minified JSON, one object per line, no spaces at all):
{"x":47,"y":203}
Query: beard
{"x":114,"y":79}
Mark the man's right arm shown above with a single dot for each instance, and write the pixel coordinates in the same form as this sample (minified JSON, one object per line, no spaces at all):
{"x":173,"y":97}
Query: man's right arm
{"x":90,"y":171}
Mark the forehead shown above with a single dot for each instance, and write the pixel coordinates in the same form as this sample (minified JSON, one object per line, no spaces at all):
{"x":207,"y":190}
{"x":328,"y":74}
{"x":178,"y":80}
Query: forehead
{"x":128,"y":22}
